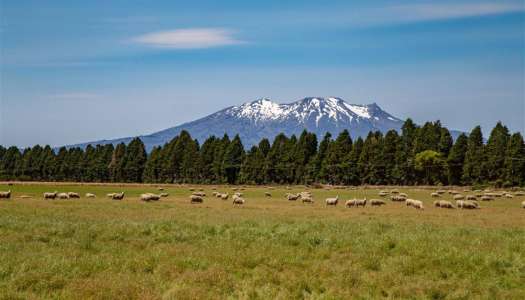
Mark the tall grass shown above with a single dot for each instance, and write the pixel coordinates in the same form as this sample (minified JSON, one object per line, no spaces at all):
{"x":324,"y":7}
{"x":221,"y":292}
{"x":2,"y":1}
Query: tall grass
{"x":270,"y":248}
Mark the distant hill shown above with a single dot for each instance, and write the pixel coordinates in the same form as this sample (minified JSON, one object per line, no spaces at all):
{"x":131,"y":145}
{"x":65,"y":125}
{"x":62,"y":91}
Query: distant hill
{"x":264,"y":118}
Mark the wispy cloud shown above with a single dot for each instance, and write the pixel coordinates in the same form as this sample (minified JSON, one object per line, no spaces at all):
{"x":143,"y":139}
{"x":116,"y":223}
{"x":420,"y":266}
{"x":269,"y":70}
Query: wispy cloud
{"x":191,"y":38}
{"x":75,"y":96}
{"x":440,"y":11}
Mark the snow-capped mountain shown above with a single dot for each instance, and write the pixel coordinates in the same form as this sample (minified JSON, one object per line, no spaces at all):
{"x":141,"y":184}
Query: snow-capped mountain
{"x":265,"y":118}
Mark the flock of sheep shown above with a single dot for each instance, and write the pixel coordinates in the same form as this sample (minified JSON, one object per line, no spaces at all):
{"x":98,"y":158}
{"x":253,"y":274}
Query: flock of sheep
{"x":463,"y":202}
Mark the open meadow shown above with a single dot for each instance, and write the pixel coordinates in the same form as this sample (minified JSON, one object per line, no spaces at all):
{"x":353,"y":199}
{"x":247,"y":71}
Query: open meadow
{"x":268,"y":248}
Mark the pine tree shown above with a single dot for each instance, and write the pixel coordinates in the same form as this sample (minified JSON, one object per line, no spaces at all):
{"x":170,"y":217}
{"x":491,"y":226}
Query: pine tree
{"x":116,"y":165}
{"x":474,"y":158}
{"x":152,"y":168}
{"x":233,"y":158}
{"x":495,"y":152}
{"x":305,"y":150}
{"x":390,"y":146}
{"x":317,"y":169}
{"x":456,"y":159}
{"x":514,"y":164}
{"x":333,"y":164}
{"x":135,"y":161}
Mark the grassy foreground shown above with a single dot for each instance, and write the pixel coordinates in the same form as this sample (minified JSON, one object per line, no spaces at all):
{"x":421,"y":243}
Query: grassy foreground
{"x":269,"y":248}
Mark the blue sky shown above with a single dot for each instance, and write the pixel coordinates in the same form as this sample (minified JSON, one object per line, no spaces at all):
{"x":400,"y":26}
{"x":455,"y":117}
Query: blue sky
{"x":76,"y":71}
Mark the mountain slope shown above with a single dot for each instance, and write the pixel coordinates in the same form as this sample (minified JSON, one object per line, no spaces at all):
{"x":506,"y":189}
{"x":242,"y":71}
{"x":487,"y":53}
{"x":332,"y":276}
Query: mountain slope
{"x":265,"y":118}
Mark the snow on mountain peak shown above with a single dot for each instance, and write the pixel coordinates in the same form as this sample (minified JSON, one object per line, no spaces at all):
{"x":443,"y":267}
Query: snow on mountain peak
{"x":312,"y":108}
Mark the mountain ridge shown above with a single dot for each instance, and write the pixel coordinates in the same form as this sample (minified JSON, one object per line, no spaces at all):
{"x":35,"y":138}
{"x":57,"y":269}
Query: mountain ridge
{"x":264,"y":118}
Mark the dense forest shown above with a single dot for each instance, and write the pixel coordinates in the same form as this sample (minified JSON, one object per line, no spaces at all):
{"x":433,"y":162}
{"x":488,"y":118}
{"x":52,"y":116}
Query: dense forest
{"x":416,"y":155}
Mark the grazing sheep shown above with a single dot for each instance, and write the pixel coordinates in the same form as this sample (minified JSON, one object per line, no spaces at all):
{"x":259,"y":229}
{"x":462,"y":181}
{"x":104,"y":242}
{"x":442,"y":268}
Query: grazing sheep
{"x":307,"y":199}
{"x":292,"y":197}
{"x":519,"y":193}
{"x":110,"y":195}
{"x":435,"y":195}
{"x":237,"y":200}
{"x":238,"y":194}
{"x":332,"y":201}
{"x":459,"y":197}
{"x":444,"y":204}
{"x":523,"y":204}
{"x":225,"y":196}
{"x":467,"y":204}
{"x":63,"y":196}
{"x":383,"y":193}
{"x":417,"y":204}
{"x":90,"y":195}
{"x":350,"y":203}
{"x":267,"y":194}
{"x":215,"y":194}
{"x":161,"y":189}
{"x":5,"y":195}
{"x":509,"y":196}
{"x":486,"y":198}
{"x":196,"y":199}
{"x":398,"y":198}
{"x":452,"y":192}
{"x":471,"y":197}
{"x":73,"y":195}
{"x":360,"y":202}
{"x":377,"y":202}
{"x":48,"y":195}
{"x":200,"y":194}
{"x":164,"y":195}
{"x":409,"y":202}
{"x":149,"y":197}
{"x":403,"y":195}
{"x":118,"y":196}
{"x":394,"y":192}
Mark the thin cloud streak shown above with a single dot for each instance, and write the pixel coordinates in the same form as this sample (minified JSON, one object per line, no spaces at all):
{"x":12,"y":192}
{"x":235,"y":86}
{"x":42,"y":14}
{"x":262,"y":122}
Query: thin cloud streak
{"x":191,"y":38}
{"x":75,"y":96}
{"x":440,"y":11}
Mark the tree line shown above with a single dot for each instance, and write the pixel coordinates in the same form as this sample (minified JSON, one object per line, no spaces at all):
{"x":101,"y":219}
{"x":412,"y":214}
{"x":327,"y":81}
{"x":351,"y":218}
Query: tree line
{"x":416,"y":155}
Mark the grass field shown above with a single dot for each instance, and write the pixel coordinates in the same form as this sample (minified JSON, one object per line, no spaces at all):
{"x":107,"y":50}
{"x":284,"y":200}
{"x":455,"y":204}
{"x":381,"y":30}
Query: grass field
{"x":269,"y":248}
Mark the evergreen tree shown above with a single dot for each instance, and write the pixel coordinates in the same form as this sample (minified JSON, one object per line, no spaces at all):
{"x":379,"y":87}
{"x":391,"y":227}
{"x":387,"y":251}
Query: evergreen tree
{"x":152,"y":168}
{"x":390,"y":146}
{"x":117,"y":163}
{"x":233,"y":158}
{"x":456,"y":159}
{"x":135,"y":161}
{"x":495,"y":152}
{"x":474,"y":158}
{"x":514,"y":164}
{"x":317,"y":169}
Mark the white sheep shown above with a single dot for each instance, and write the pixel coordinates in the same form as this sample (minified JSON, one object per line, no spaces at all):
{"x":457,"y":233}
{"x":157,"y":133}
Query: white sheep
{"x":237,"y":200}
{"x":292,"y":197}
{"x":73,"y":195}
{"x":90,"y":195}
{"x":332,"y":201}
{"x":196,"y":199}
{"x":118,"y":196}
{"x":435,"y":195}
{"x":377,"y":202}
{"x":63,"y":196}
{"x":444,"y":204}
{"x":48,"y":195}
{"x":417,"y":204}
{"x":523,"y":204}
{"x":5,"y":195}
{"x":471,"y":197}
{"x":459,"y":197}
